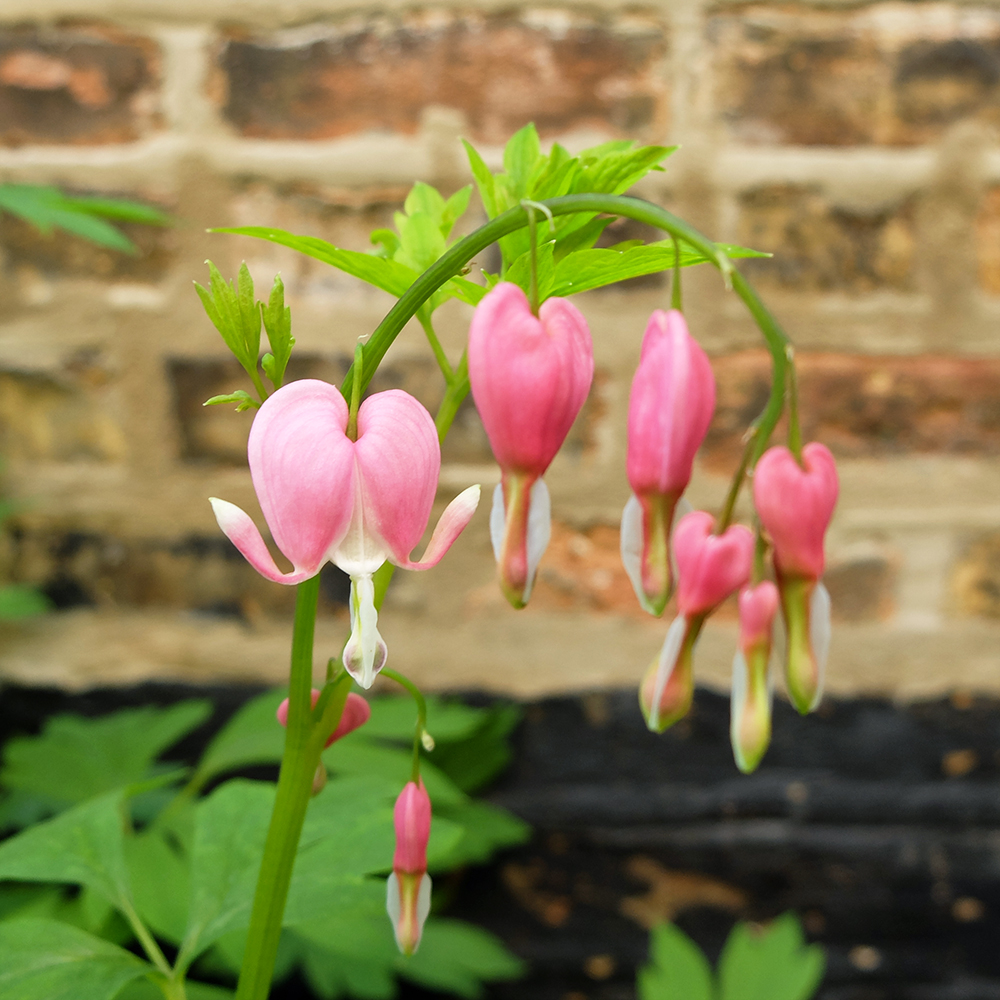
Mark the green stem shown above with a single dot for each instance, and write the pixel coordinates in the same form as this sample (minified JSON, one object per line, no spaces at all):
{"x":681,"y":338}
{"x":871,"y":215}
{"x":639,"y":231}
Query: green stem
{"x":675,"y":291}
{"x":352,"y":420}
{"x":794,"y":430}
{"x":303,"y":744}
{"x":726,"y":517}
{"x":759,"y":552}
{"x":454,"y":394}
{"x":533,"y":246}
{"x":418,"y":736}
{"x":149,"y":945}
{"x":442,"y":359}
{"x":258,"y":382}
{"x":457,"y":257}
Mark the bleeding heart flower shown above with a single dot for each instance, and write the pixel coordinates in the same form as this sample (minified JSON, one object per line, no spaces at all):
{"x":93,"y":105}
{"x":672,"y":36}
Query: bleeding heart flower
{"x":750,"y":706}
{"x":710,"y":567}
{"x":356,"y":713}
{"x":795,"y":504}
{"x":670,"y":408}
{"x":408,"y":889}
{"x":356,"y":504}
{"x":529,"y":375}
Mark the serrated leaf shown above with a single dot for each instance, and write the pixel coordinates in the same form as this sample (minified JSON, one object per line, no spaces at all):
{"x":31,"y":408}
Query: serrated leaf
{"x":160,"y":882}
{"x":20,"y":601}
{"x":421,"y":241}
{"x":48,"y":960}
{"x":454,"y":208}
{"x":424,"y":199}
{"x":278,"y":326}
{"x":521,"y":157}
{"x":251,"y":736}
{"x":389,"y":275}
{"x":677,"y":971}
{"x":76,"y":758}
{"x":458,"y":957}
{"x":772,"y":964}
{"x":82,"y":846}
{"x":241,"y":397}
{"x":234,"y":313}
{"x":485,"y":181}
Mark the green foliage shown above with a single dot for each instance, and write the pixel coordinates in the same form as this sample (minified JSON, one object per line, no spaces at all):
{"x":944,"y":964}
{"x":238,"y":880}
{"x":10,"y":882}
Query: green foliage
{"x":48,"y":208}
{"x":188,"y":874}
{"x":773,"y":963}
{"x":48,"y":960}
{"x":19,"y":601}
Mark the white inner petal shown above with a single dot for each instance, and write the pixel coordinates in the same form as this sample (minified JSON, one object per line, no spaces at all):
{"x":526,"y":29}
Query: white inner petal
{"x":737,"y":704}
{"x":366,"y":652}
{"x":423,"y":905}
{"x":630,"y":541}
{"x":668,"y":661}
{"x":392,"y":906}
{"x":539,"y":530}
{"x":360,"y":552}
{"x":819,"y":635}
{"x":497,"y":521}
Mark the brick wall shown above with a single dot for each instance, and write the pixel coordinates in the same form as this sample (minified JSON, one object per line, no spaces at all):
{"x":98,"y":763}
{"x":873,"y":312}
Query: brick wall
{"x":856,"y":141}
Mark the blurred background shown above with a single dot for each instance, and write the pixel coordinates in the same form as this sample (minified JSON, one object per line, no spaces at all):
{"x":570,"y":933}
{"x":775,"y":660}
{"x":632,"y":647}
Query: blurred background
{"x":855,"y":141}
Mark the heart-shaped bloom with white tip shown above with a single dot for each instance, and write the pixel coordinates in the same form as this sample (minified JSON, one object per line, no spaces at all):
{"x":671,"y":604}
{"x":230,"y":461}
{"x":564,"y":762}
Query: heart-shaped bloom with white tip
{"x":355,"y":503}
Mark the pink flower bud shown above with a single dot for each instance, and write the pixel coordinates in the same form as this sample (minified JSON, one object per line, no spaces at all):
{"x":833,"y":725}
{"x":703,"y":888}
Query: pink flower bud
{"x":667,"y":689}
{"x":709,"y":567}
{"x":795,"y":503}
{"x":356,"y":713}
{"x":529,"y":376}
{"x":408,"y":890}
{"x":750,"y":708}
{"x":670,"y":408}
{"x":356,"y":504}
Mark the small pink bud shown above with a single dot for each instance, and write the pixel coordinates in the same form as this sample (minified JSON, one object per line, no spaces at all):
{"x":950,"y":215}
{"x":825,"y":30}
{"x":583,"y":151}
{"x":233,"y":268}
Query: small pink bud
{"x":356,"y":713}
{"x":529,"y":376}
{"x":670,"y":408}
{"x":408,"y":890}
{"x":750,"y":708}
{"x":709,"y":567}
{"x":795,"y":503}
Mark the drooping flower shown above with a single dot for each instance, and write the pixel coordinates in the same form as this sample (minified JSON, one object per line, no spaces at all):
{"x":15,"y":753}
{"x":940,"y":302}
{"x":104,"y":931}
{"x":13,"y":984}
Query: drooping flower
{"x":710,"y":567}
{"x":670,"y":408}
{"x":408,"y":889}
{"x":750,"y":706}
{"x":356,"y":503}
{"x":356,"y":713}
{"x":529,"y":376}
{"x":795,"y":504}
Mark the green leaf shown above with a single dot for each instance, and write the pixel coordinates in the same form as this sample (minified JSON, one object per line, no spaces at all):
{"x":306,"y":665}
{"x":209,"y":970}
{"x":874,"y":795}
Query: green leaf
{"x":520,"y":271}
{"x":454,"y":208}
{"x":160,"y":881}
{"x":145,"y":989}
{"x":521,"y":157}
{"x":773,"y":964}
{"x":20,"y":601}
{"x":678,"y":970}
{"x":76,"y":758}
{"x":457,"y":957}
{"x":120,"y":209}
{"x":230,"y":829}
{"x":389,"y":275}
{"x":241,"y":397}
{"x":424,"y":199}
{"x":48,"y":960}
{"x":485,"y":830}
{"x":235,"y":313}
{"x":394,"y":718}
{"x":485,"y":181}
{"x":278,"y":325}
{"x":387,"y":240}
{"x":251,"y":736}
{"x":421,"y":240}
{"x":82,"y":846}
{"x":478,"y":759}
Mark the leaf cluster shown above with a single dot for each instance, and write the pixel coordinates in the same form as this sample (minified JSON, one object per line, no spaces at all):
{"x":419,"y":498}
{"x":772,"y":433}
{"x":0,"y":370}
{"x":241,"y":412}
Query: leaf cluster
{"x":772,"y":963}
{"x":132,"y":849}
{"x":237,"y":315}
{"x":49,"y":208}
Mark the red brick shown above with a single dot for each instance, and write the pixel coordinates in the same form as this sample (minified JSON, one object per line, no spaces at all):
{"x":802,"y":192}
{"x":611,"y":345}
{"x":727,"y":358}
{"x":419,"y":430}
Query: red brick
{"x":861,"y":405}
{"x":82,"y":84}
{"x":501,"y":70}
{"x":818,"y":246}
{"x":885,"y":73}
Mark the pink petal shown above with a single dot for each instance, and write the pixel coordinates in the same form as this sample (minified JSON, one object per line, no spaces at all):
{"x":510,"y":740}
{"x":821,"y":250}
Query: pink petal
{"x":302,"y":465}
{"x":244,"y":534}
{"x":529,"y":374}
{"x":450,"y":525}
{"x":398,"y":459}
{"x":710,"y":567}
